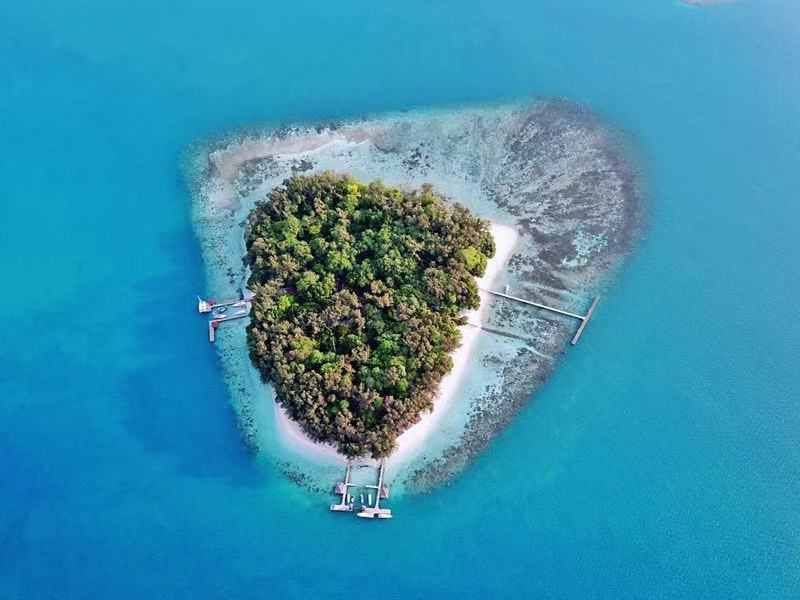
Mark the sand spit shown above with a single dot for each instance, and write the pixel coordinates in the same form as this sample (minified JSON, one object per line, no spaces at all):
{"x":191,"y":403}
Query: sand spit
{"x":550,"y":177}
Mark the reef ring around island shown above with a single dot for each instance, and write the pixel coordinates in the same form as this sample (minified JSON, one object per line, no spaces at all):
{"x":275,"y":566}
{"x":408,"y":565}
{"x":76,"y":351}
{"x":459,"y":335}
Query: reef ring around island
{"x":565,"y":205}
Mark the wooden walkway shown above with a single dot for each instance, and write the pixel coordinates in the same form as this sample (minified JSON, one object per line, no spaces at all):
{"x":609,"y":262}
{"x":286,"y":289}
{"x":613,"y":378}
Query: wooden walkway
{"x":214,"y":323}
{"x":343,"y":488}
{"x":584,"y":319}
{"x":368,"y":510}
{"x":375,"y":511}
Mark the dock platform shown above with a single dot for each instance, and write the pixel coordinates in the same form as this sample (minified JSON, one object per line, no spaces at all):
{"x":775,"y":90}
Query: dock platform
{"x":226,"y":310}
{"x":342,"y":488}
{"x":375,"y":511}
{"x":212,"y":305}
{"x":213,"y":324}
{"x":368,"y":510}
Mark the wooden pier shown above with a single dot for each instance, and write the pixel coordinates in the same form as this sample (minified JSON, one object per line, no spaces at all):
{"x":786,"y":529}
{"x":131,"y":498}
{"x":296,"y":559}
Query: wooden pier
{"x":207,"y":306}
{"x":584,"y":319}
{"x":342,"y":488}
{"x":368,"y":510}
{"x":214,"y":323}
{"x":375,"y":511}
{"x":219,"y":311}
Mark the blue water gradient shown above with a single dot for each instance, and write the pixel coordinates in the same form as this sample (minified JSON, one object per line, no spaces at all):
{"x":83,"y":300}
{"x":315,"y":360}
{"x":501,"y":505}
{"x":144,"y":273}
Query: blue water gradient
{"x":661,"y":461}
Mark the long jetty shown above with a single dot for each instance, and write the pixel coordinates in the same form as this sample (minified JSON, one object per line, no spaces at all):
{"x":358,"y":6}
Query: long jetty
{"x":343,"y":488}
{"x":584,"y":319}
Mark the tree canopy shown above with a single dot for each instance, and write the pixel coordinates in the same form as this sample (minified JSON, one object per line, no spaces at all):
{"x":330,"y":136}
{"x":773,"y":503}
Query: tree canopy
{"x":358,"y":295}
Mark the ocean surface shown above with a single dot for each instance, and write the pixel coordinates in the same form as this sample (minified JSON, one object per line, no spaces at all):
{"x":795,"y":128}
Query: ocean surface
{"x":661,"y":461}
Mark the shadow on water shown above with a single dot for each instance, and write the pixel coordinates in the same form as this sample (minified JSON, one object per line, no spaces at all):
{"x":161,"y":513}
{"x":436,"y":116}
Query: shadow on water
{"x":13,"y":549}
{"x":26,"y":488}
{"x":175,"y":401}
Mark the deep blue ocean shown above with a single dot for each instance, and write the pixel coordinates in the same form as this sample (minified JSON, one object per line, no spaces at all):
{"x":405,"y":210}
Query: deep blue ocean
{"x":661,"y":461}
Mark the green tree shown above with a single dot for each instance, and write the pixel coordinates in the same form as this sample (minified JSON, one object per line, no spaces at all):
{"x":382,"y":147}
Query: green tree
{"x":358,"y":295}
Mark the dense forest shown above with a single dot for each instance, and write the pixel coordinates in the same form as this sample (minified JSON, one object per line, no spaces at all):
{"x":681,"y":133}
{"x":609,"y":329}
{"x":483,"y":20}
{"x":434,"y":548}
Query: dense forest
{"x":358,"y":295}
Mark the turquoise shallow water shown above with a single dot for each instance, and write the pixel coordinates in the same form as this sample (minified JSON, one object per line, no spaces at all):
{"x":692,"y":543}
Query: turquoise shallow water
{"x":660,"y":461}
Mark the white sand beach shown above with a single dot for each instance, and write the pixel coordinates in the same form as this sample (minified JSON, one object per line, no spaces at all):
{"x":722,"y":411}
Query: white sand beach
{"x":295,"y":439}
{"x":411,"y":441}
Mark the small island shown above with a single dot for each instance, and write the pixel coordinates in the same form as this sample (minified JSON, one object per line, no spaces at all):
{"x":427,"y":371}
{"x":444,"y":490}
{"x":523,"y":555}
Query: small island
{"x":552,"y":184}
{"x":359,"y":295}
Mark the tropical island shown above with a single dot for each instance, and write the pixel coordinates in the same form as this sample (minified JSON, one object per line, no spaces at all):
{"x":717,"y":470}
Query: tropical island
{"x":359,"y":294}
{"x":561,"y":199}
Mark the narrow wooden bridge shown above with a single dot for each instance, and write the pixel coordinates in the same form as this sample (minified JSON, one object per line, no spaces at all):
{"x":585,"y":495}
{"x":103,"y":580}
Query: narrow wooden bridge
{"x":584,"y":319}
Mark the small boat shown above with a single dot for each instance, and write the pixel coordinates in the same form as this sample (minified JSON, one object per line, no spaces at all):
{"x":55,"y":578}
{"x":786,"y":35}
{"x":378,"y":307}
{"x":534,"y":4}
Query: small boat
{"x":374,"y":513}
{"x":204,"y":306}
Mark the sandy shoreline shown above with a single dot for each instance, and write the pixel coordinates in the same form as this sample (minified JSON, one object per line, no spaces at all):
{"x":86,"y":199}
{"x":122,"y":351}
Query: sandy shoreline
{"x":411,"y":441}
